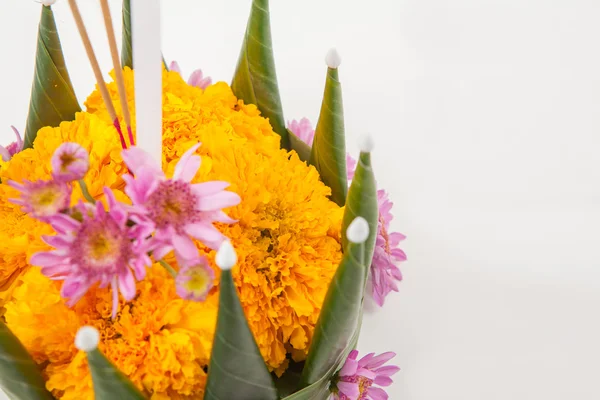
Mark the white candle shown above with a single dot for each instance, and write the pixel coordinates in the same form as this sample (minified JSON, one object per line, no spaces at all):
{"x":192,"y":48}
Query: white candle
{"x":147,"y":64}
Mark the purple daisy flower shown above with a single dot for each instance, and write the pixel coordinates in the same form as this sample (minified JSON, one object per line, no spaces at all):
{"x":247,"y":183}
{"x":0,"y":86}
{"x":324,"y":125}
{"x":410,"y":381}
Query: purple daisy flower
{"x":356,"y":378}
{"x":176,"y":209}
{"x":98,"y":247}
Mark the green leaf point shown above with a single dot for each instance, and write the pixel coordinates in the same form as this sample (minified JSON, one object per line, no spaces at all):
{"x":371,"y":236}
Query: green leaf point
{"x":53,"y":98}
{"x":126,"y":48}
{"x":20,"y":377}
{"x":255,"y":78}
{"x":329,"y":147}
{"x":237,"y":369}
{"x":109,"y":383}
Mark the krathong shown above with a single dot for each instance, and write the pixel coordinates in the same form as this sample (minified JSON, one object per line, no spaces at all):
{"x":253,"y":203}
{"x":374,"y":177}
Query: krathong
{"x":176,"y":239}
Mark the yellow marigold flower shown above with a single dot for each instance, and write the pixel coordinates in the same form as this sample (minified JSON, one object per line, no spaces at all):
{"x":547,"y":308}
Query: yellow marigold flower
{"x":287,"y":240}
{"x":159,"y":340}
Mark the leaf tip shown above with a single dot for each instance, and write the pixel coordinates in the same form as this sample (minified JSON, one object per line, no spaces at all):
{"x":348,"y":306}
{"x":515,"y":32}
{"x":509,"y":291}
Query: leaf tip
{"x":87,"y":339}
{"x":358,"y":230}
{"x":47,"y":3}
{"x":226,"y":257}
{"x":333,"y":58}
{"x":366,"y":143}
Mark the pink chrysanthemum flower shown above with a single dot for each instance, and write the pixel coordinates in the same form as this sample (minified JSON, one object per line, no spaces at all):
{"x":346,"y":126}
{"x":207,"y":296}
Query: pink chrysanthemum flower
{"x":177,"y":209}
{"x":196,"y":79}
{"x":356,"y":378}
{"x":303,"y":130}
{"x":70,"y":162}
{"x":195,"y":279}
{"x":15,"y":147}
{"x":42,"y":199}
{"x":100,"y":249}
{"x":384,"y":272}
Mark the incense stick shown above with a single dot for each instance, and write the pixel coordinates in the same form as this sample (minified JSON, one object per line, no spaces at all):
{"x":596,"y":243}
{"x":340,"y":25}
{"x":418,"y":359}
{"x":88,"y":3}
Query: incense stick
{"x":87,"y":44}
{"x":114,"y":52}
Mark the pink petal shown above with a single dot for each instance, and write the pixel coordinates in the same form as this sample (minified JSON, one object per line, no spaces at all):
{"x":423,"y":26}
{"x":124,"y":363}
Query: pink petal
{"x":367,"y":373}
{"x":161,"y":251}
{"x":5,"y":154}
{"x":46,"y":259}
{"x":218,"y":201}
{"x":174,"y":66}
{"x":351,"y":390}
{"x":16,"y":185}
{"x":379,"y":360}
{"x":74,"y":289}
{"x":58,"y":241}
{"x":383,"y":381}
{"x":184,"y":247}
{"x":387,"y":370}
{"x":350,"y":367}
{"x":57,"y":271}
{"x":115,"y":297}
{"x":196,"y":78}
{"x":19,"y":139}
{"x":127,"y":284}
{"x":63,"y":223}
{"x":220,"y":216}
{"x":207,"y":234}
{"x":136,"y":158}
{"x":209,"y":188}
{"x":188,"y":165}
{"x":377,"y":393}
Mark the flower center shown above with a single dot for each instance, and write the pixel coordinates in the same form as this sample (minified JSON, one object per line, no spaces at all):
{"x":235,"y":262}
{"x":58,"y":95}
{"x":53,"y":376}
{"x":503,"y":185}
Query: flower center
{"x":172,"y":204}
{"x":48,"y":200}
{"x":101,"y":246}
{"x":198,"y":281}
{"x":384,"y":234}
{"x":66,"y":159}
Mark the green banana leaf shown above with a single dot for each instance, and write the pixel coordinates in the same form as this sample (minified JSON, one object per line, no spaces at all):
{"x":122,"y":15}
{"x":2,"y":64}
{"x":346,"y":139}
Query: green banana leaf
{"x":109,"y":382}
{"x":20,"y":377}
{"x":236,"y":370}
{"x":329,"y":147}
{"x":255,"y":79}
{"x":301,"y":148}
{"x":339,"y":323}
{"x":126,"y":49}
{"x":53,"y":99}
{"x":362,"y":201}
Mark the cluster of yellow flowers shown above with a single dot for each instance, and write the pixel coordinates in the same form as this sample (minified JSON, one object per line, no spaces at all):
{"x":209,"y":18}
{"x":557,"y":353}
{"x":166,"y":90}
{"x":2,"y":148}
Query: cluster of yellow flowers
{"x":287,"y":240}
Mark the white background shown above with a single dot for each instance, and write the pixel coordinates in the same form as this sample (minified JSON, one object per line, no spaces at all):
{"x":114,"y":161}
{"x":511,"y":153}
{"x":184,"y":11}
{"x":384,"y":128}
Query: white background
{"x":486,"y":115}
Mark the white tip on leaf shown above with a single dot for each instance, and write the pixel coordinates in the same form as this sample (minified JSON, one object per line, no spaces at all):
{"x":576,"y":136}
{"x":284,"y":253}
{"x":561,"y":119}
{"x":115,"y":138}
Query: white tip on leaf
{"x":358,"y":230}
{"x":366,"y":143}
{"x":333,"y":58}
{"x":47,"y":2}
{"x":87,"y":338}
{"x":226,"y":257}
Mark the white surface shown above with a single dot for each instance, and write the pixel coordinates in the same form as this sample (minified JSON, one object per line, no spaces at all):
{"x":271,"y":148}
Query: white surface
{"x":487,"y":119}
